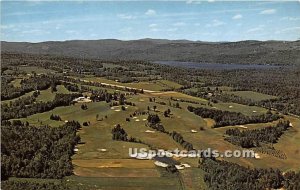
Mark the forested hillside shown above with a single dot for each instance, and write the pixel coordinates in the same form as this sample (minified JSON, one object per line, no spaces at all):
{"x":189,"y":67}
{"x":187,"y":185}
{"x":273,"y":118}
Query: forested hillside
{"x":244,"y":52}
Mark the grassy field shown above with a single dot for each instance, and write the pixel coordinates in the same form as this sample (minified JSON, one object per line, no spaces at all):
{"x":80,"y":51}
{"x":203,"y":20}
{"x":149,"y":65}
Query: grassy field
{"x":178,"y":95}
{"x":256,"y":96}
{"x":14,"y":99}
{"x":126,"y":183}
{"x":246,"y":110}
{"x":16,"y":82}
{"x":37,"y":70}
{"x":97,"y":136}
{"x":156,"y":85}
{"x":47,"y":95}
{"x":102,"y":163}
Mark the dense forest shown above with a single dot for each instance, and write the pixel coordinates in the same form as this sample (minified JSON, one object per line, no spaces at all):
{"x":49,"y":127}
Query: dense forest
{"x":8,"y":91}
{"x":38,"y":152}
{"x":285,"y":86}
{"x":30,"y":185}
{"x":226,"y":118}
{"x":22,"y":109}
{"x":179,"y":139}
{"x":244,"y":52}
{"x":227,"y":175}
{"x":119,"y":134}
{"x":253,"y":138}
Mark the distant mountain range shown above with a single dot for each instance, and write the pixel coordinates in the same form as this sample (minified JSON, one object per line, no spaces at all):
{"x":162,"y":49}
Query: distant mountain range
{"x":244,"y":52}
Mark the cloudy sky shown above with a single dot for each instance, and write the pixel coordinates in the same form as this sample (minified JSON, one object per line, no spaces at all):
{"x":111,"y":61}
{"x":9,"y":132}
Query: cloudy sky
{"x":36,"y":21}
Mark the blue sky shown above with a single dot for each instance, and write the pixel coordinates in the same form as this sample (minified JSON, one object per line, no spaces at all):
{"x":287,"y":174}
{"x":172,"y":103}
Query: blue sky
{"x":36,"y":21}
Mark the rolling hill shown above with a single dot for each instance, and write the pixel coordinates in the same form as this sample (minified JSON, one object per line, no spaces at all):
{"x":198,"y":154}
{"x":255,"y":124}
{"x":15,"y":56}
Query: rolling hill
{"x":243,"y":52}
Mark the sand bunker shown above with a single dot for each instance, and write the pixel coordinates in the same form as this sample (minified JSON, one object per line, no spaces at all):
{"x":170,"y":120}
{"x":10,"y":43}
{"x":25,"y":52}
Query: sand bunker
{"x":186,"y":165}
{"x":117,"y":110}
{"x":254,"y":111}
{"x":149,"y":131}
{"x":194,"y":131}
{"x":244,"y":127}
{"x":230,"y":106}
{"x":144,"y":119}
{"x":256,"y":155}
{"x":161,"y":164}
{"x":114,"y":107}
{"x":137,"y":120}
{"x":179,"y":167}
{"x":102,"y":149}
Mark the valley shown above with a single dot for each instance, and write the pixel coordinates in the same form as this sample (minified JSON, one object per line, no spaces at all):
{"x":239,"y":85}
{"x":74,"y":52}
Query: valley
{"x":98,"y":160}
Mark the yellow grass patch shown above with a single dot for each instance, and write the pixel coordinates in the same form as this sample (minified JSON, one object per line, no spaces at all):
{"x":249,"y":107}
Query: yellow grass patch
{"x":116,"y":172}
{"x":114,"y":163}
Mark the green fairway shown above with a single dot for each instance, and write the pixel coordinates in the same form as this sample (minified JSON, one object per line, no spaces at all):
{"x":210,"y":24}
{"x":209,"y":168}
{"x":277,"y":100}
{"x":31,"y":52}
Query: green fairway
{"x":47,"y":95}
{"x":16,"y":82}
{"x":155,"y":85}
{"x":125,"y":183}
{"x":37,"y":70}
{"x":103,"y":163}
{"x":244,"y":109}
{"x":256,"y":96}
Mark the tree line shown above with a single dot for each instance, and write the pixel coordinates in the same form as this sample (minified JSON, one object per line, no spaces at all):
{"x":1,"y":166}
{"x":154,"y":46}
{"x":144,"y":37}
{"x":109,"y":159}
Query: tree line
{"x":33,"y":83}
{"x":227,"y":118}
{"x":254,"y":138}
{"x":285,"y":86}
{"x":38,"y":152}
{"x":227,"y":175}
{"x":22,"y":109}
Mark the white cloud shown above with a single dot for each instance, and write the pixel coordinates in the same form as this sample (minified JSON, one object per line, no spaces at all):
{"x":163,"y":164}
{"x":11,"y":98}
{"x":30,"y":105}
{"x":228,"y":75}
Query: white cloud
{"x":236,"y":17}
{"x":215,"y":23}
{"x":255,"y":29}
{"x":93,"y":35}
{"x":154,"y":30}
{"x":126,"y":30}
{"x":193,"y":2}
{"x":290,"y":18}
{"x":291,"y":29}
{"x":172,"y":29}
{"x":71,"y":32}
{"x":9,"y":26}
{"x":268,"y":12}
{"x":35,"y":32}
{"x":150,"y":12}
{"x":58,"y":26}
{"x":210,"y":1}
{"x":179,"y":24}
{"x":152,"y":25}
{"x":126,"y":16}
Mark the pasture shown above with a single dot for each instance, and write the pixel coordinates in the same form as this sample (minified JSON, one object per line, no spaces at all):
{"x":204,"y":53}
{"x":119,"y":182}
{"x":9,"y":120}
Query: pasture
{"x":256,"y":96}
